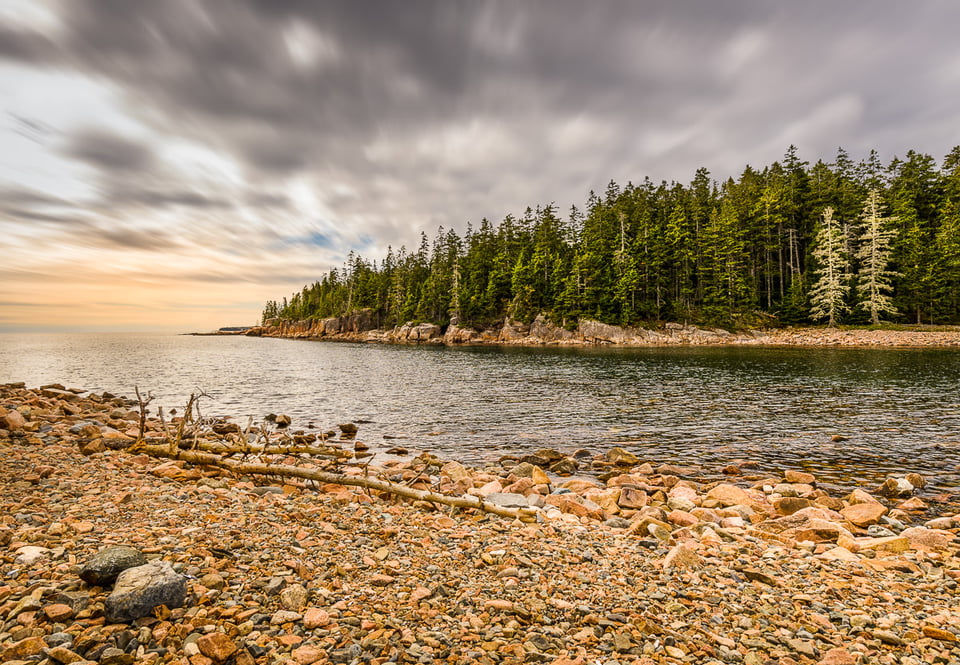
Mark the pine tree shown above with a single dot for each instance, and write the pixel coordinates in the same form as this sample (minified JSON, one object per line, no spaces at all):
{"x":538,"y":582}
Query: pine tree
{"x":874,"y":279}
{"x":829,"y":293}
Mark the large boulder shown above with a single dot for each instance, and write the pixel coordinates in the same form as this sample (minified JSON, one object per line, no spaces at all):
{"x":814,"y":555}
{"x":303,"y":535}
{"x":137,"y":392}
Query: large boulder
{"x":138,"y":590}
{"x":104,"y":566}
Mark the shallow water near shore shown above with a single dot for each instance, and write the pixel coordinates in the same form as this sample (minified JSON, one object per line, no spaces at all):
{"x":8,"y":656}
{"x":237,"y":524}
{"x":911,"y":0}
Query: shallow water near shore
{"x":898,"y":409}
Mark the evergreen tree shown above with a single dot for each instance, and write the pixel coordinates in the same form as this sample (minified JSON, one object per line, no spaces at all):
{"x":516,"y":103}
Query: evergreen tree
{"x":694,"y":253}
{"x":874,"y":279}
{"x":829,"y":293}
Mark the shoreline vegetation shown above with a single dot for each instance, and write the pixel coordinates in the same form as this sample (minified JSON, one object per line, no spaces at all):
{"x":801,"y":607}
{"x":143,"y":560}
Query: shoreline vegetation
{"x":126,"y":537}
{"x":783,"y":245}
{"x":360,"y":327}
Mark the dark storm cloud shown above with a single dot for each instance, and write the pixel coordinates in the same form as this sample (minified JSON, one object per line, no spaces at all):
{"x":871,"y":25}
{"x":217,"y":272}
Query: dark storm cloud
{"x":422,"y":113}
{"x":109,"y":152}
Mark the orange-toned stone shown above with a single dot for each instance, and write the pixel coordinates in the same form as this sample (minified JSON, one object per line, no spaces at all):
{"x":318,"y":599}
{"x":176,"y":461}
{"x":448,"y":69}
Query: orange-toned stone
{"x":218,"y":647}
{"x":864,"y":514}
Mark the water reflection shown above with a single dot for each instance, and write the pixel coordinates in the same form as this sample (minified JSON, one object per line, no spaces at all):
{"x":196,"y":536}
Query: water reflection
{"x":897,"y":409}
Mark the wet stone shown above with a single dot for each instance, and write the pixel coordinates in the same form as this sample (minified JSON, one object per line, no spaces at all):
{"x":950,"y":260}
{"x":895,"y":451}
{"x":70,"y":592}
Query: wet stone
{"x":104,"y":567}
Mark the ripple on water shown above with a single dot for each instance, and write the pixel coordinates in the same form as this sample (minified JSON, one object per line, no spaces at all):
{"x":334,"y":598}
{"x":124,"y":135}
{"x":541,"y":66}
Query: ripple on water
{"x":706,"y":406}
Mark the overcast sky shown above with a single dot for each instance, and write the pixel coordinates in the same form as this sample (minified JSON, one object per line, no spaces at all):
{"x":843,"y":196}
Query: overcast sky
{"x":170,"y":165}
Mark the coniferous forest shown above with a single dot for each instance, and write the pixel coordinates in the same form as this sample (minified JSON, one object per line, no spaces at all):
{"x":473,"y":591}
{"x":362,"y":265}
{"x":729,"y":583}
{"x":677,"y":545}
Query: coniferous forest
{"x":793,"y":243}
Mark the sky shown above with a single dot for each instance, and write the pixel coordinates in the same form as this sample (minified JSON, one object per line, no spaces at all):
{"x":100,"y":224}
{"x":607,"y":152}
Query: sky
{"x":171,"y":165}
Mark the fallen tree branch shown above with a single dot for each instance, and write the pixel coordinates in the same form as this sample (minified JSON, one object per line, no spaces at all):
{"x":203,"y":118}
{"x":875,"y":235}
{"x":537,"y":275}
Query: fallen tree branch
{"x":328,"y":452}
{"x":287,"y":471}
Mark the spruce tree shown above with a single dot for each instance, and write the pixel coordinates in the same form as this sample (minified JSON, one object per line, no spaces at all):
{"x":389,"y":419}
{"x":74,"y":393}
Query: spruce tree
{"x":829,"y":293}
{"x":874,"y":278}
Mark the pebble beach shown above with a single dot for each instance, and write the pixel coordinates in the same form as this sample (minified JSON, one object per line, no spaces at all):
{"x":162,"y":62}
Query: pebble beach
{"x":634,"y":562}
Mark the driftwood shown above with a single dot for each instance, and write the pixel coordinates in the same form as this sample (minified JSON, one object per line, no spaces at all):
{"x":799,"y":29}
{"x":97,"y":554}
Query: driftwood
{"x":288,"y":471}
{"x":328,"y":452}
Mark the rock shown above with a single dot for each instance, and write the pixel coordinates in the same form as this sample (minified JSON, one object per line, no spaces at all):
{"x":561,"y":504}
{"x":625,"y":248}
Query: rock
{"x":523,"y":470}
{"x":104,"y":566}
{"x":913,"y":504}
{"x":30,"y":554}
{"x":682,"y":518}
{"x":681,"y":557}
{"x":916,"y":480}
{"x":884,"y":544}
{"x":281,"y":617}
{"x":13,"y":421}
{"x":309,"y":654}
{"x":864,"y":514}
{"x":818,"y":531}
{"x":929,"y":540}
{"x":788,"y":505}
{"x":757,"y":575}
{"x":315,"y":617}
{"x":838,"y":656}
{"x":543,"y":457}
{"x":895,"y":487}
{"x":456,"y":473}
{"x":729,"y":495}
{"x":941,"y":523}
{"x":218,"y":647}
{"x":565,"y":467}
{"x":839,"y":554}
{"x":58,"y":612}
{"x":348,"y":429}
{"x":622,"y":457}
{"x":226,"y":428}
{"x":539,"y":476}
{"x":632,"y":499}
{"x":607,"y":499}
{"x":859,"y":496}
{"x":938,"y":634}
{"x":888,"y":637}
{"x":293,"y":598}
{"x":91,"y":447}
{"x":138,"y":590}
{"x":25,"y":648}
{"x":64,"y":655}
{"x":282,"y":421}
{"x":213,"y":581}
{"x":792,"y":476}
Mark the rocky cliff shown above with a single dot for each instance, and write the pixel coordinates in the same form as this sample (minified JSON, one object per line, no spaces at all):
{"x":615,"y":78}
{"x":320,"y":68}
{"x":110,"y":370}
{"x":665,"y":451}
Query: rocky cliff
{"x":361,"y":327}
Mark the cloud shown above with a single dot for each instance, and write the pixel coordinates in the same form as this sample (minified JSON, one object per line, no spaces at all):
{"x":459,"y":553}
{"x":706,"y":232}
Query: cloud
{"x":109,"y":152}
{"x":218,"y":133}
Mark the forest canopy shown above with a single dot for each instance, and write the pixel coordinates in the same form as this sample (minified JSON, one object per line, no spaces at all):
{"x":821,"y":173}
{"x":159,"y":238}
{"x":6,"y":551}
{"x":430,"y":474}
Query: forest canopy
{"x":839,"y":242}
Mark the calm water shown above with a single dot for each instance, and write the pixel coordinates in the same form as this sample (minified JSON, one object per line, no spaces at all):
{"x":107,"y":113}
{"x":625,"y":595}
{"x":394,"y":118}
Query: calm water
{"x":899,"y":409}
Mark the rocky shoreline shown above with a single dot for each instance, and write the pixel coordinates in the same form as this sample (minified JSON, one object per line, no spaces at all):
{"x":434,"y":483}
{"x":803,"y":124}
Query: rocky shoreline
{"x":641,"y":564}
{"x":362,"y":327}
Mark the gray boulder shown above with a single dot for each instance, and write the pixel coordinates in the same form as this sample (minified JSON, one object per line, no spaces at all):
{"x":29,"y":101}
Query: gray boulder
{"x":138,"y":590}
{"x":104,"y":566}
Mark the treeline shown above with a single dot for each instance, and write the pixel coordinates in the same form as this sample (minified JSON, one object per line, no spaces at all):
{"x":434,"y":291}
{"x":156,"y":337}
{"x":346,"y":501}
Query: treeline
{"x":740,"y":253}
